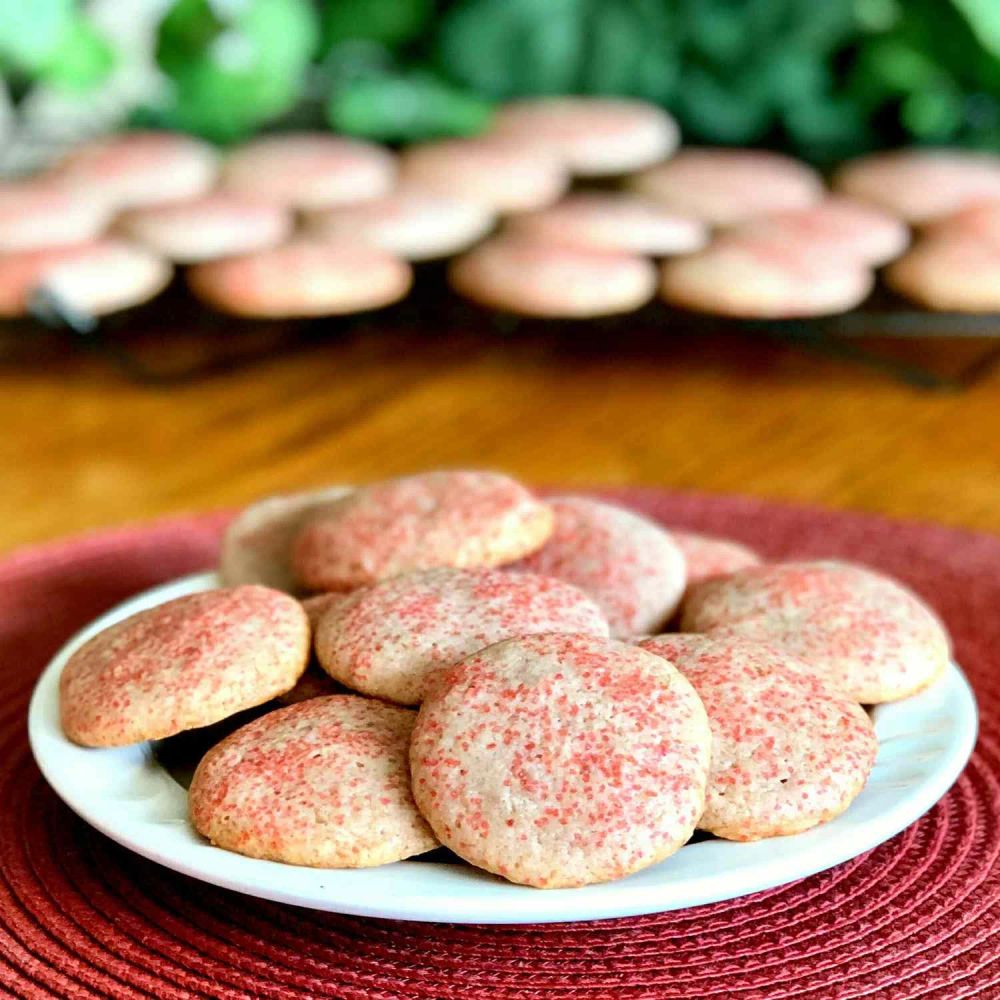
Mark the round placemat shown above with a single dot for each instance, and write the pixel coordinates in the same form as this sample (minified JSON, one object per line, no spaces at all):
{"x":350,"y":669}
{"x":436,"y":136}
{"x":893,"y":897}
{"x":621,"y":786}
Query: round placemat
{"x":917,"y":917}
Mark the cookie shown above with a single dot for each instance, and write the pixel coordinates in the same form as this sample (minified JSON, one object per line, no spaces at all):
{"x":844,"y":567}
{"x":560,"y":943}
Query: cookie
{"x":950,"y":272}
{"x":301,"y":279}
{"x":594,"y":136}
{"x":533,"y":278}
{"x":462,"y":519}
{"x":919,"y":185}
{"x":788,"y":750}
{"x":706,"y":557}
{"x":415,"y":225}
{"x":37,"y":213}
{"x":613,"y":221}
{"x":748,"y":278}
{"x":309,"y":170}
{"x":214,"y":225}
{"x":315,"y":682}
{"x":96,"y":278}
{"x":862,"y":632}
{"x":726,"y":186}
{"x":501,"y":175}
{"x":628,"y":564}
{"x":140,"y":168}
{"x":835,"y":228}
{"x":561,"y":760}
{"x":187,"y":663}
{"x":980,"y":220}
{"x":390,"y":640}
{"x":324,"y":783}
{"x":257,"y":544}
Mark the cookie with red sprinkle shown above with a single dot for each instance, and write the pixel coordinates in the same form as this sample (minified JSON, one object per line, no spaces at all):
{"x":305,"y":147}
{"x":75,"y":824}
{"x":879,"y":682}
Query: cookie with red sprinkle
{"x":863,"y":632}
{"x":324,"y":783}
{"x":187,"y":663}
{"x":389,"y":640}
{"x":561,"y":760}
{"x":789,"y":751}
{"x":628,"y":564}
{"x":257,"y":545}
{"x":461,"y":519}
{"x":315,"y":682}
{"x":707,"y":557}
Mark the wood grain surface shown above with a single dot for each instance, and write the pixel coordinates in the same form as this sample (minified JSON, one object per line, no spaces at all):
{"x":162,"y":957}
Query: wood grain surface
{"x":83,"y":447}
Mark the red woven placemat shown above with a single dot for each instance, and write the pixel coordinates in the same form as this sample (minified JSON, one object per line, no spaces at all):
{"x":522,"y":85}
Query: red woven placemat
{"x":917,"y":917}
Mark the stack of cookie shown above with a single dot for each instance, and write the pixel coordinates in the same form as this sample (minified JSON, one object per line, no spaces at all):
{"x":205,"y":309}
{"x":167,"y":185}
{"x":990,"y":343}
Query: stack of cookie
{"x":480,"y":668}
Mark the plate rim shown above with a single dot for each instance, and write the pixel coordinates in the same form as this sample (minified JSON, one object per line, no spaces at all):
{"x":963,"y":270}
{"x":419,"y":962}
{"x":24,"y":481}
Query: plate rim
{"x":499,"y":902}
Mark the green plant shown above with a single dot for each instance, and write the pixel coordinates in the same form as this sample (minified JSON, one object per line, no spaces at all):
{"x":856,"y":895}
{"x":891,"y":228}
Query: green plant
{"x":825,"y":78}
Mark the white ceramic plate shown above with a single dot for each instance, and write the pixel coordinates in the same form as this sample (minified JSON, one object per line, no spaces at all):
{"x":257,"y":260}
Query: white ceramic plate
{"x":127,"y":794}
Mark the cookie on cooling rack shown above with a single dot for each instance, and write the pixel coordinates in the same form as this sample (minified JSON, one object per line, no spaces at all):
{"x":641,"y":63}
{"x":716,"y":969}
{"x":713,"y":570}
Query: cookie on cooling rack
{"x":390,"y":639}
{"x":462,"y":519}
{"x":309,"y":170}
{"x":863,"y":632}
{"x":307,"y":277}
{"x":530,"y":277}
{"x":324,"y":783}
{"x":628,"y":564}
{"x":593,"y":136}
{"x":561,"y":760}
{"x":257,"y":544}
{"x":726,"y":186}
{"x":789,"y":751}
{"x":187,"y":663}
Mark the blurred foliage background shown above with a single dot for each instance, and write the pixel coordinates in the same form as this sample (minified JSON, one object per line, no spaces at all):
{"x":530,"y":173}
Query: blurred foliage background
{"x":823,"y":78}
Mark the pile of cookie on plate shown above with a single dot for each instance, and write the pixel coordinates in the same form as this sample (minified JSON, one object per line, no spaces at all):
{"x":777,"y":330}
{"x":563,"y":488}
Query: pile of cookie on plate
{"x":559,"y":690}
{"x":314,"y":224}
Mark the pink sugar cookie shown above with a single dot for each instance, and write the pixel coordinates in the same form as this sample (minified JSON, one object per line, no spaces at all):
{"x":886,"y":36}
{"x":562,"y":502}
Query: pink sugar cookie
{"x":461,"y":519}
{"x":315,"y":682}
{"x":919,"y":185}
{"x":788,"y":750}
{"x":950,"y":271}
{"x":707,"y":557}
{"x":184,"y":664}
{"x":309,"y":170}
{"x":389,"y":640}
{"x":561,"y":760}
{"x":324,"y":783}
{"x":140,"y":168}
{"x":628,"y":564}
{"x":308,"y":277}
{"x":214,"y":225}
{"x":835,"y":227}
{"x":980,"y":221}
{"x":863,"y":632}
{"x":257,"y":544}
{"x":594,"y":136}
{"x":39,"y":213}
{"x":416,"y":225}
{"x":745,"y":277}
{"x":534,"y":278}
{"x":726,"y":186}
{"x":613,"y":221}
{"x":94,"y":278}
{"x":502,"y":175}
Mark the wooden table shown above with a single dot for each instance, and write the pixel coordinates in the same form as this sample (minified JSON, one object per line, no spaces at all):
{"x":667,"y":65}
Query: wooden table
{"x":83,"y":447}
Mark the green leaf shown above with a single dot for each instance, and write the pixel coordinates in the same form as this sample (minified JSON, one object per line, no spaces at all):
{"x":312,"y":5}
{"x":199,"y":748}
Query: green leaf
{"x":406,"y":107}
{"x":235,"y":66}
{"x":507,"y":48}
{"x":983,"y":17}
{"x":718,"y":112}
{"x":388,"y":22}
{"x":30,"y":30}
{"x":80,"y":60}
